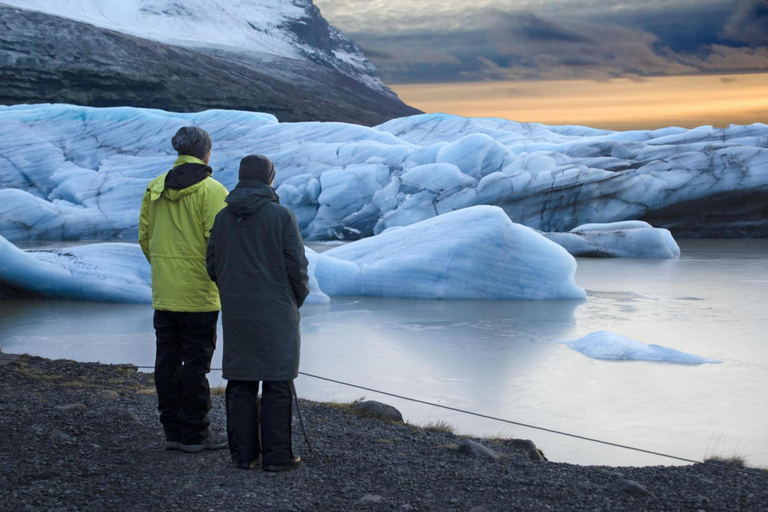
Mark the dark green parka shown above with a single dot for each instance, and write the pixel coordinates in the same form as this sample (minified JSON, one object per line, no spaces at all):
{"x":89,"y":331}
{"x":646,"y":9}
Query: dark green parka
{"x":256,"y":257}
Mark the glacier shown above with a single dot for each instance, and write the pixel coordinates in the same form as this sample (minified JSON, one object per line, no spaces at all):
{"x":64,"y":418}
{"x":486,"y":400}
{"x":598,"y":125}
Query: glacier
{"x":78,"y":173}
{"x":609,"y":346}
{"x":628,"y":239}
{"x":475,"y":253}
{"x":102,"y":272}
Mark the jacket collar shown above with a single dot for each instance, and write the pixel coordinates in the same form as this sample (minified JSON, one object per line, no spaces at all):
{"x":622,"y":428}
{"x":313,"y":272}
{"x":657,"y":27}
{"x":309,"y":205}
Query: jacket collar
{"x":249,"y":196}
{"x":188,"y":159}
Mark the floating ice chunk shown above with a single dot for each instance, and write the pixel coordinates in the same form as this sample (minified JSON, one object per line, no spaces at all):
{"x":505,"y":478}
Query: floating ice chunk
{"x":628,"y":239}
{"x":613,"y":226}
{"x":610,"y":346}
{"x":316,"y":296}
{"x":474,"y":253}
{"x":110,"y":272}
{"x":98,"y":272}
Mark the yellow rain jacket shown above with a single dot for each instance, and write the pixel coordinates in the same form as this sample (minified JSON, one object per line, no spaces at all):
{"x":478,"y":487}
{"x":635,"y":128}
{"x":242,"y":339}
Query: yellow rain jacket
{"x":174,"y":227}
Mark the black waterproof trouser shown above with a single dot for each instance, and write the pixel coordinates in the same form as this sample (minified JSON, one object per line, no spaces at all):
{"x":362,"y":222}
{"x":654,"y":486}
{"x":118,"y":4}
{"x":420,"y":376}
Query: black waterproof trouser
{"x":244,"y":417}
{"x":185,"y":345}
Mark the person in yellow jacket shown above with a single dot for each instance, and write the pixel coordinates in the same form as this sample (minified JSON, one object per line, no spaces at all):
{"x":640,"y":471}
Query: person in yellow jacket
{"x":177,"y":214}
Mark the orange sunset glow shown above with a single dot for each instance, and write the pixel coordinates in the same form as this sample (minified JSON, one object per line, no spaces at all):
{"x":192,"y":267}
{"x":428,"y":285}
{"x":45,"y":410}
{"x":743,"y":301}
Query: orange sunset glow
{"x":619,"y":104}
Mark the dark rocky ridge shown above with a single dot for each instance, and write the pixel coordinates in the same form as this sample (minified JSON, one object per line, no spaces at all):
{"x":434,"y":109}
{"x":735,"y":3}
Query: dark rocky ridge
{"x":49,"y":59}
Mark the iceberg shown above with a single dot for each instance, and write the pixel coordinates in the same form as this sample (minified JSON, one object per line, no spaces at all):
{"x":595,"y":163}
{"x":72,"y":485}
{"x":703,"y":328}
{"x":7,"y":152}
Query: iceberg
{"x":106,"y":272}
{"x":109,"y":272}
{"x":78,"y":173}
{"x":628,"y":239}
{"x":610,"y":346}
{"x":474,"y":253}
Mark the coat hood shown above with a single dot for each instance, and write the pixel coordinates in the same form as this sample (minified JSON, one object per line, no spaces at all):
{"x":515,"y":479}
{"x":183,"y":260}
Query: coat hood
{"x":185,"y":175}
{"x":249,"y":196}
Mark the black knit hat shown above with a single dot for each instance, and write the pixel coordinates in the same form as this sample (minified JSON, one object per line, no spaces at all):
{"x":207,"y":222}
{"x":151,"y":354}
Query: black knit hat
{"x":257,"y":167}
{"x":192,"y":141}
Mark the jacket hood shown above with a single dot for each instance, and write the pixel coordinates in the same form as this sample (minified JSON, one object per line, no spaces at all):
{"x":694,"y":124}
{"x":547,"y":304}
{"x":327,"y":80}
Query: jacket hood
{"x":157,"y":188}
{"x":186,"y":172}
{"x":249,"y":196}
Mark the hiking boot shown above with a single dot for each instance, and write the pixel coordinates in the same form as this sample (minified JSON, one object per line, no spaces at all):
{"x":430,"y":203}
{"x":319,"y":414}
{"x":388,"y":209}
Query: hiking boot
{"x":249,"y":465}
{"x":172,"y":440}
{"x":294,"y":464}
{"x":212,"y":442}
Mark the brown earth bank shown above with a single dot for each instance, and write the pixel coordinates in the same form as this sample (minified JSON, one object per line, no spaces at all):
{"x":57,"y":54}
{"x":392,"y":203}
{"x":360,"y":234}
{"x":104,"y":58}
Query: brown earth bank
{"x":85,"y":436}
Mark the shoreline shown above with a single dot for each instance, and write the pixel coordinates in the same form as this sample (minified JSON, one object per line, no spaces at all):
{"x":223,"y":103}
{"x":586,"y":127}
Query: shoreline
{"x":85,"y":436}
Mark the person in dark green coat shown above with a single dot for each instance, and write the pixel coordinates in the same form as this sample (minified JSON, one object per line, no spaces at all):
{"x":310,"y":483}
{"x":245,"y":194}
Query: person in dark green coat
{"x":256,"y":257}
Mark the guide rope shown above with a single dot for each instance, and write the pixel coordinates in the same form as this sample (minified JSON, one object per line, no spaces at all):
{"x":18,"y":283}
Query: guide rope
{"x":485,"y":416}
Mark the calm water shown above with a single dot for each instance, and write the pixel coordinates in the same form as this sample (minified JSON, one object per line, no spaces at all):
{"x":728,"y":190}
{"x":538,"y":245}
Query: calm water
{"x":498,"y":358}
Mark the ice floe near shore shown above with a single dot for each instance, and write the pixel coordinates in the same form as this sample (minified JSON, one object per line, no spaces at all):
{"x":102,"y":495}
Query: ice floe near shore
{"x":610,"y":346}
{"x":108,"y":272}
{"x":75,"y":173}
{"x":629,"y":239}
{"x":475,"y":253}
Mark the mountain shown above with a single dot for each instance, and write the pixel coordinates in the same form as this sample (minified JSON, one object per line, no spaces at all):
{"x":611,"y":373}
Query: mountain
{"x":276,"y":56}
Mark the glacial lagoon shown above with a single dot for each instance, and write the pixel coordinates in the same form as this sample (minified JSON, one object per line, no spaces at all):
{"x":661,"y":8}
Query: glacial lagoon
{"x":498,"y":357}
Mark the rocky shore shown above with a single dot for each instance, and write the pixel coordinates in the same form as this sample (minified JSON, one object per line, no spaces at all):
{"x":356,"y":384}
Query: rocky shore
{"x":83,"y":437}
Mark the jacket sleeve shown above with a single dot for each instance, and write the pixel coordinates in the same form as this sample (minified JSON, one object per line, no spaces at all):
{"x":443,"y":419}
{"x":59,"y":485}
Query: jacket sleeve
{"x":144,"y":226}
{"x":210,"y":253}
{"x":214,"y":202}
{"x":295,"y":260}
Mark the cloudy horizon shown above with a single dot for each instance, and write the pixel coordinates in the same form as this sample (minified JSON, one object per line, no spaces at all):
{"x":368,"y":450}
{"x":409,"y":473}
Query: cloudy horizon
{"x":416,"y":41}
{"x":445,"y":56}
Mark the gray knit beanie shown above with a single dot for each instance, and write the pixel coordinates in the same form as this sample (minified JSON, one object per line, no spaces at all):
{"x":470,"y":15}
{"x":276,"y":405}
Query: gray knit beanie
{"x":192,"y":141}
{"x":257,"y":167}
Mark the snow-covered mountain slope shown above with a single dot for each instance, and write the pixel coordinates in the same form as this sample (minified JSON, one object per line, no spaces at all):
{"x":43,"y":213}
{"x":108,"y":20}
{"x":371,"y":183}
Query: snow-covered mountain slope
{"x":77,"y":173}
{"x":291,"y":29}
{"x":292,"y":65}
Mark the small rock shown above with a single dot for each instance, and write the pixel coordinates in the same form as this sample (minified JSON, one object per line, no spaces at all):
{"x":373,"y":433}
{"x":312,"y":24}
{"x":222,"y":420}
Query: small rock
{"x":58,"y":435}
{"x":631,"y":487}
{"x":475,"y":449}
{"x":7,"y":358}
{"x":128,"y":416}
{"x":371,"y":498}
{"x":528,"y":448}
{"x":373,"y":409}
{"x":71,"y":407}
{"x":105,"y":395}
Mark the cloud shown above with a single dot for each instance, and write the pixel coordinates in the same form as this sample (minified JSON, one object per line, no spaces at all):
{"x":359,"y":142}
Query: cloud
{"x":413,"y":41}
{"x":749,"y":23}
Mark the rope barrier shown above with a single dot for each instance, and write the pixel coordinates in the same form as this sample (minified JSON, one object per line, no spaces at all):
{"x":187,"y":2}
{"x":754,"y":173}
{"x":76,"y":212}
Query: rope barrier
{"x":485,"y":416}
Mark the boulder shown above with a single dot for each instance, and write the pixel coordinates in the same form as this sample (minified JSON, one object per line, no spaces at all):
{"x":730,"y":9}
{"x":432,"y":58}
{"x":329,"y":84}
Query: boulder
{"x":373,"y":409}
{"x":474,"y":449}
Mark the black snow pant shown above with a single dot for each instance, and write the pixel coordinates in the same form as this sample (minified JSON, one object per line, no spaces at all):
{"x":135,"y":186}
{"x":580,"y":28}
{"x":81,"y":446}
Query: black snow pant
{"x":244,"y":417}
{"x":185,"y":345}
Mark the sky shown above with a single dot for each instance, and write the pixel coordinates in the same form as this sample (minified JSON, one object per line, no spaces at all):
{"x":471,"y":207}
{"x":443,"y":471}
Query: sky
{"x":464,"y":57}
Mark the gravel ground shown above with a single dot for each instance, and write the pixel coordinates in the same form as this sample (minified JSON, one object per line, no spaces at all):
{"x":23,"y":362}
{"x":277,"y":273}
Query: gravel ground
{"x":104,"y":451}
